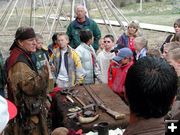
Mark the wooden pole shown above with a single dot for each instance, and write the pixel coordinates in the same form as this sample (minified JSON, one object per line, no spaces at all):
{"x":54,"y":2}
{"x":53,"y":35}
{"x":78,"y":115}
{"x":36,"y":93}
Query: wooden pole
{"x":111,"y":29}
{"x":72,"y":10}
{"x":5,"y":11}
{"x":56,"y":17}
{"x":34,"y":13}
{"x":118,"y":11}
{"x":20,"y":21}
{"x":47,"y":17}
{"x":44,"y":7}
{"x":85,"y":6}
{"x":10,"y":15}
{"x":99,"y":7}
{"x":140,"y":8}
{"x":30,"y":21}
{"x":115,"y":15}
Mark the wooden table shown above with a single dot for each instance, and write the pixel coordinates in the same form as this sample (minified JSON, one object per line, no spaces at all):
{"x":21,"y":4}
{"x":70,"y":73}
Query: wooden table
{"x":109,"y":98}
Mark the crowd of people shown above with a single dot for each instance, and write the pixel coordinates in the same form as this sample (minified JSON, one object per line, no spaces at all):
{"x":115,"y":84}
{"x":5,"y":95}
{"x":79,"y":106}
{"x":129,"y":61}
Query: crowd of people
{"x":147,"y":80}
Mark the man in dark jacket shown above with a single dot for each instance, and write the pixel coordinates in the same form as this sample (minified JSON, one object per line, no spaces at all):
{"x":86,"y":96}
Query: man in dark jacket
{"x":151,"y":86}
{"x":82,"y":22}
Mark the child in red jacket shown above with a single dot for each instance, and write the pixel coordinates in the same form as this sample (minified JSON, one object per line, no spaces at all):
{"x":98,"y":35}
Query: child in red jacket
{"x":118,"y":69}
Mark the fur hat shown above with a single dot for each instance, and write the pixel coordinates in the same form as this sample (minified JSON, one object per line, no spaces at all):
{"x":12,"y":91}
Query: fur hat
{"x":23,"y":33}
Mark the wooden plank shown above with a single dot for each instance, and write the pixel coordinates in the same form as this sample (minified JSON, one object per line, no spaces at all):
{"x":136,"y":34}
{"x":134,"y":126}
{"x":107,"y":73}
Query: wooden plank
{"x":142,"y":25}
{"x":148,"y":26}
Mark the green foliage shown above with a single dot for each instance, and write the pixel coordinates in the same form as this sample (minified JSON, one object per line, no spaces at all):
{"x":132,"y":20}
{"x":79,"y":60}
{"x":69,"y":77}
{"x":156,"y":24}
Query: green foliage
{"x":162,"y":13}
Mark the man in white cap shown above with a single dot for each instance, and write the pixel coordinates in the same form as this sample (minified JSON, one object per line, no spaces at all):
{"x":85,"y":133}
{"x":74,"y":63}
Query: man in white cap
{"x":7,"y":112}
{"x":118,"y":69}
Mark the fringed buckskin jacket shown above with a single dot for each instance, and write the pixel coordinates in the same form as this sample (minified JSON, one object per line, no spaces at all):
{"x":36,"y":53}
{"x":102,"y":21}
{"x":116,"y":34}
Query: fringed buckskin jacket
{"x":27,"y":89}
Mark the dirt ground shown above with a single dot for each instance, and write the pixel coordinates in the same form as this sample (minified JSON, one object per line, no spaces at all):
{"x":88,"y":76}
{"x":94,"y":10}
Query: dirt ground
{"x":155,"y":38}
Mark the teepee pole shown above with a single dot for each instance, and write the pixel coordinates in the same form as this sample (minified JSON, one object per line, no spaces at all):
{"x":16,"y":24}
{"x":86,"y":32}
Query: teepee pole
{"x":56,"y":17}
{"x":85,"y":5}
{"x":5,"y":12}
{"x":44,"y":7}
{"x":120,"y":13}
{"x":108,"y":20}
{"x":115,"y":15}
{"x":72,"y":10}
{"x":47,"y":17}
{"x":10,"y":15}
{"x":34,"y":13}
{"x":20,"y":21}
{"x":100,"y":11}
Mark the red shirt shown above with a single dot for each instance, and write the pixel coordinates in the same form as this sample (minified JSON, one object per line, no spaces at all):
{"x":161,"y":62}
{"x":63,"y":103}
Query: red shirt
{"x":117,"y":76}
{"x":131,"y":43}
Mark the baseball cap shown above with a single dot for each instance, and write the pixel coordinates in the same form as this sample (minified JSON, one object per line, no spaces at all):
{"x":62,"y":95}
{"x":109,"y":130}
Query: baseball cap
{"x":123,"y":53}
{"x":7,"y":112}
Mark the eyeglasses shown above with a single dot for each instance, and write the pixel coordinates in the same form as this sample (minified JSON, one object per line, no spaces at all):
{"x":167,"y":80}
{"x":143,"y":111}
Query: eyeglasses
{"x":107,"y":41}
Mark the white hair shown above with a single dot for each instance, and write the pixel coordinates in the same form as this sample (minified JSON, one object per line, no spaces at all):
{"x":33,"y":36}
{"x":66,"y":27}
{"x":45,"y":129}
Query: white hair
{"x":81,"y":6}
{"x":142,"y":40}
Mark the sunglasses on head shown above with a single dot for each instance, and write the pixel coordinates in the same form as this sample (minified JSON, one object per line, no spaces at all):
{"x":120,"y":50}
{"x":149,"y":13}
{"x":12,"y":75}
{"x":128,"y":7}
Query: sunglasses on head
{"x":107,"y":41}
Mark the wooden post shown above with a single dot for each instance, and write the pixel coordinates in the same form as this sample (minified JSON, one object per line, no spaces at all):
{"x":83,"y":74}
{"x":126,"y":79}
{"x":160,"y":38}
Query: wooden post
{"x":72,"y":10}
{"x":140,"y":8}
{"x":34,"y":13}
{"x":30,"y":21}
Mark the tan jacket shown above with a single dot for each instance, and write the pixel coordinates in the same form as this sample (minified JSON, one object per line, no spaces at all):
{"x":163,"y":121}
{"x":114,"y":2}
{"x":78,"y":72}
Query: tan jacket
{"x":72,"y":63}
{"x":153,"y":126}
